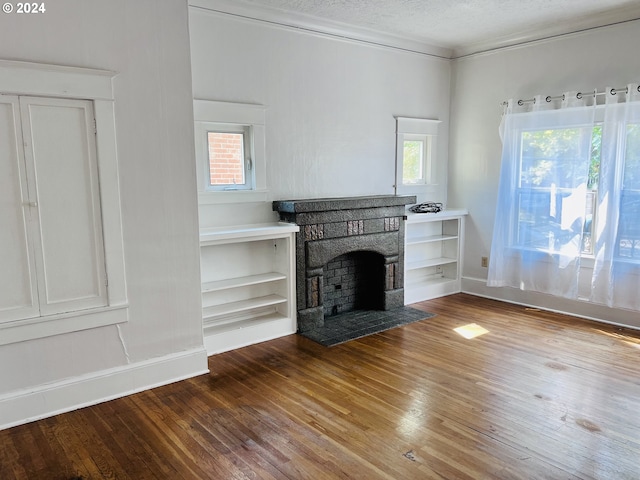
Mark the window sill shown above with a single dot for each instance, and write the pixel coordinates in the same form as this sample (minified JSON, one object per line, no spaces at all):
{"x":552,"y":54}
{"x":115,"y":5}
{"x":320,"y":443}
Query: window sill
{"x":233,"y":196}
{"x":586,"y":260}
{"x":544,"y":255}
{"x":41,"y":327}
{"x":627,"y":262}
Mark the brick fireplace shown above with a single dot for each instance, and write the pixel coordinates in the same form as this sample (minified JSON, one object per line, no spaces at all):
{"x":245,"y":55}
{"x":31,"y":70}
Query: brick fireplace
{"x":349,"y":254}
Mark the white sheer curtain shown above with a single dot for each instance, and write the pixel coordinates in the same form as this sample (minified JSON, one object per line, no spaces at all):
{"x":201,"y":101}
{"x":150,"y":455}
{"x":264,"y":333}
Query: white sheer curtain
{"x":542,"y":197}
{"x":556,"y":159}
{"x":616,"y":273}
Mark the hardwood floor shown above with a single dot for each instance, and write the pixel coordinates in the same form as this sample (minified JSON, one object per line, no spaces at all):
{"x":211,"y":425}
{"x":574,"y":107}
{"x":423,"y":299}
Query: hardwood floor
{"x":540,"y":396}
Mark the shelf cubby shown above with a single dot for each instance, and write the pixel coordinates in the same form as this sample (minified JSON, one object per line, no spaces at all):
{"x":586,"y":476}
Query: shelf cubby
{"x":248,"y":284}
{"x":433,"y":254}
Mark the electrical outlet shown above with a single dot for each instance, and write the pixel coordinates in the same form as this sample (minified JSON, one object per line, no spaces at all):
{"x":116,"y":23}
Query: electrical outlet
{"x":484,"y":262}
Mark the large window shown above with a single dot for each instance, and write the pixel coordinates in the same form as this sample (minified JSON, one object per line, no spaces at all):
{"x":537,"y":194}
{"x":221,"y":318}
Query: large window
{"x":557,"y":187}
{"x":568,"y":213}
{"x":554,"y":178}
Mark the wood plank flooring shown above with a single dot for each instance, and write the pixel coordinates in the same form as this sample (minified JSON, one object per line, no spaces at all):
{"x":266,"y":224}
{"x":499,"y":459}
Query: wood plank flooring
{"x":540,"y":396}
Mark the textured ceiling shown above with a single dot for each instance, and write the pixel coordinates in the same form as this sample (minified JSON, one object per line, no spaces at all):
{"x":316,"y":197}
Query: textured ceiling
{"x":465,"y":26}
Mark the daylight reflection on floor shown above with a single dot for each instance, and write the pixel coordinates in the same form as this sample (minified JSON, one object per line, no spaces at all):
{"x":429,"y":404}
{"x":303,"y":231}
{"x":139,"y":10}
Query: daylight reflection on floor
{"x":470,"y":331}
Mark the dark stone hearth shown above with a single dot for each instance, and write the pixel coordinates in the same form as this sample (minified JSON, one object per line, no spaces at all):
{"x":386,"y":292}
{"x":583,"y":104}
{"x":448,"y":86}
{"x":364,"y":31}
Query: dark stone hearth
{"x":336,"y":227}
{"x":357,"y":324}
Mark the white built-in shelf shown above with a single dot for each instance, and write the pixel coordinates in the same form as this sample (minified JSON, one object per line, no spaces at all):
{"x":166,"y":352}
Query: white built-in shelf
{"x":242,"y":281}
{"x":429,"y":239}
{"x":433,"y":254}
{"x":219,"y":235}
{"x":248,"y":284}
{"x":224,"y":309}
{"x":429,"y":262}
{"x":236,"y":326}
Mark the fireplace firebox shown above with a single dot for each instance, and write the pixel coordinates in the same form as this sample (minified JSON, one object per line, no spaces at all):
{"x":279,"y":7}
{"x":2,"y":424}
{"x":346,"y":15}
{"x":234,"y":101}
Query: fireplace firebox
{"x":349,"y":254}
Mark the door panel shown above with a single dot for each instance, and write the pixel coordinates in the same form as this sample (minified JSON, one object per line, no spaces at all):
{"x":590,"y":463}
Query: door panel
{"x":62,"y":171}
{"x":18,"y":294}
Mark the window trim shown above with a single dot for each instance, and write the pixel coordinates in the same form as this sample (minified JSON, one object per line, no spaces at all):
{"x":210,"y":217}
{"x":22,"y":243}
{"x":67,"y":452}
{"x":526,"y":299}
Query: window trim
{"x":210,"y":112}
{"x":411,"y":128}
{"x":33,"y":79}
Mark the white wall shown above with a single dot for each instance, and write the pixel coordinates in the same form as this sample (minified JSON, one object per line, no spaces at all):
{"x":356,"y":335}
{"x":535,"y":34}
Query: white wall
{"x":330,"y":102}
{"x":147,"y":43}
{"x":594,"y":59}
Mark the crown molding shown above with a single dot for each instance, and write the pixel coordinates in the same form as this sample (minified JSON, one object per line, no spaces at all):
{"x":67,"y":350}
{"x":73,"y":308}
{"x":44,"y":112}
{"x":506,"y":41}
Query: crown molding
{"x":577,"y":26}
{"x":316,"y":25}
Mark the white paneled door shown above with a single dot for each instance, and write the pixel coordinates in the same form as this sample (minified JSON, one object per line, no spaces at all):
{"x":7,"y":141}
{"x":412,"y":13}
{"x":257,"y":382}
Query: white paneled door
{"x":51,"y":249}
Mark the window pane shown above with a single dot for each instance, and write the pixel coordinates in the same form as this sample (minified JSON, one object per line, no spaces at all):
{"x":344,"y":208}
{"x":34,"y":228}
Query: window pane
{"x":589,"y":223}
{"x":558,"y":176}
{"x":596,"y":151}
{"x":555,"y":157}
{"x":413,"y":162}
{"x":631,"y":179}
{"x":629,"y":227}
{"x":226,"y":158}
{"x":534,"y":229}
{"x":592,"y":191}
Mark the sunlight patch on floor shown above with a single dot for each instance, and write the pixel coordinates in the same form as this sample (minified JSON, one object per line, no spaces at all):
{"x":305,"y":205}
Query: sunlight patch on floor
{"x":632,"y":341}
{"x":470,"y":331}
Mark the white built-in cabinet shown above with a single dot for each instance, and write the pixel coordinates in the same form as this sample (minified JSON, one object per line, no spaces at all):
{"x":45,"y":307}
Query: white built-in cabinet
{"x":51,"y":251}
{"x":433,"y":254}
{"x":248,"y":284}
{"x":61,"y":240}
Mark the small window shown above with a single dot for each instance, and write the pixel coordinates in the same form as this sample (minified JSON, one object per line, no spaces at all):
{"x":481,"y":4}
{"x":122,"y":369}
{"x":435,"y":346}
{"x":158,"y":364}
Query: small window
{"x":415,"y":155}
{"x":230,"y":152}
{"x":230,"y":158}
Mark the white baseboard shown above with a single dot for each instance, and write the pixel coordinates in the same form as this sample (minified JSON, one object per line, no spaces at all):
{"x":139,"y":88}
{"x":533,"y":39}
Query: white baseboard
{"x":577,"y":308}
{"x":24,"y":406}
